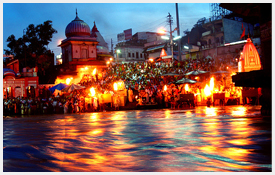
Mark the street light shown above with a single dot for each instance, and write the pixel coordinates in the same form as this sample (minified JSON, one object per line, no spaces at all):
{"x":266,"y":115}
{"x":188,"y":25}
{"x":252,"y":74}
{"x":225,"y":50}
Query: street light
{"x":170,"y":38}
{"x":117,"y":52}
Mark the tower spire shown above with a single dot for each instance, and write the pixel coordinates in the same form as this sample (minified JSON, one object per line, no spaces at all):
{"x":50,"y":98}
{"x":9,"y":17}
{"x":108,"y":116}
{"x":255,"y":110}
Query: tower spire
{"x":76,"y":12}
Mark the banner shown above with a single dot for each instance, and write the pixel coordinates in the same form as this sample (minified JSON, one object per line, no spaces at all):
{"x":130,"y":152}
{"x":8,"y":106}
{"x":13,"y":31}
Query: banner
{"x":120,"y":37}
{"x":128,"y":34}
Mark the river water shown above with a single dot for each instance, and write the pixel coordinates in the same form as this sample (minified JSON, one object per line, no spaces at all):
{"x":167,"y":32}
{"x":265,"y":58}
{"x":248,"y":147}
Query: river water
{"x":224,"y":139}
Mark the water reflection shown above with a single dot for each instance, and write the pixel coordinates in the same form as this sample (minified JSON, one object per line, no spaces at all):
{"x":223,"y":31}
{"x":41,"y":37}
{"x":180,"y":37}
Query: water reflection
{"x":201,"y":139}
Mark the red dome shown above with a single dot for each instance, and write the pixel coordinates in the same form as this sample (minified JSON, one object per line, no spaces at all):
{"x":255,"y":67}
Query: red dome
{"x":77,"y":28}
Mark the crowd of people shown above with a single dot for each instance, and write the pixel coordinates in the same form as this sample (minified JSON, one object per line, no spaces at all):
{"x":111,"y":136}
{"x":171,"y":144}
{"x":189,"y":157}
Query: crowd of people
{"x":144,"y":83}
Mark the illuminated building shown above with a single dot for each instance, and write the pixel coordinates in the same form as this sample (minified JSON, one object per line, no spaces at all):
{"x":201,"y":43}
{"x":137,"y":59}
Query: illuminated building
{"x":19,"y":84}
{"x":82,"y":48}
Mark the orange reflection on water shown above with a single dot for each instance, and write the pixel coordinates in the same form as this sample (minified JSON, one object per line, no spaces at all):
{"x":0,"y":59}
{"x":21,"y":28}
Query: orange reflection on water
{"x":234,"y":153}
{"x":239,"y":111}
{"x":240,"y":141}
{"x":188,"y":114}
{"x":210,"y":111}
{"x":167,"y":114}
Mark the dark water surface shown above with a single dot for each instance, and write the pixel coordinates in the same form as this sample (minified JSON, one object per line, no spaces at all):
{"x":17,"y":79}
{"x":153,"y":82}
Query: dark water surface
{"x":231,"y":138}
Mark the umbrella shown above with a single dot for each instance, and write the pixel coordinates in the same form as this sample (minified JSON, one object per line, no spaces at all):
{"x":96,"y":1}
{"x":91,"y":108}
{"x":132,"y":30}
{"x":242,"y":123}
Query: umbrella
{"x":72,"y":87}
{"x":170,"y":74}
{"x":59,"y":86}
{"x":186,"y":81}
{"x":196,"y":72}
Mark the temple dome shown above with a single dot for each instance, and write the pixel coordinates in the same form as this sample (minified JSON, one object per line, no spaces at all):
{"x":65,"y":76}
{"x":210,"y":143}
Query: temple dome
{"x":77,"y":27}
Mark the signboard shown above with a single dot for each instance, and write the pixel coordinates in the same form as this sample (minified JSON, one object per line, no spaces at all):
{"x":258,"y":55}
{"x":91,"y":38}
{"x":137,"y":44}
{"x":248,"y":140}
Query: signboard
{"x":128,"y":34}
{"x":120,"y":37}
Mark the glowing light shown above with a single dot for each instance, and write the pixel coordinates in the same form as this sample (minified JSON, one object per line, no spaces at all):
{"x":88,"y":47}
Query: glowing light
{"x":207,"y":91}
{"x":165,"y":37}
{"x":92,"y":90}
{"x":111,"y":59}
{"x":115,"y":86}
{"x":151,"y":59}
{"x":108,"y":62}
{"x":211,"y":83}
{"x":161,"y":31}
{"x":86,"y":68}
{"x":177,"y":37}
{"x":94,"y":71}
{"x":210,"y":112}
{"x":68,"y":80}
{"x":165,"y":88}
{"x":240,"y":111}
{"x":186,"y":87}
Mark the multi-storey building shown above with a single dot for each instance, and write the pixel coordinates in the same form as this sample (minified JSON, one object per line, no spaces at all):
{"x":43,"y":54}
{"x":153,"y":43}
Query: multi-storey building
{"x":141,"y":46}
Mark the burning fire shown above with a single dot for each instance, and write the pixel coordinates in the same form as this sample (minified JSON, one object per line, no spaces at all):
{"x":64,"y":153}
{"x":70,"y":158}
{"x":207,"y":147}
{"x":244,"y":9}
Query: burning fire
{"x":115,"y":86}
{"x":212,"y":83}
{"x":94,"y":71}
{"x":165,"y":88}
{"x":207,"y":91}
{"x":186,"y":87}
{"x":92,"y":90}
{"x":68,"y":80}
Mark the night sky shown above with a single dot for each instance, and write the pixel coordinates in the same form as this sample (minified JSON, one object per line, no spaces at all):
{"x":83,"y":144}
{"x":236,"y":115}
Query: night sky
{"x":110,"y":18}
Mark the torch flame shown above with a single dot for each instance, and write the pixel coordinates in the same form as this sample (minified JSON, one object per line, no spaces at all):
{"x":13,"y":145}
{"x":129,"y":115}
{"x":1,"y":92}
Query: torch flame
{"x":186,"y":87}
{"x":68,"y":80}
{"x":165,"y":88}
{"x":115,"y":86}
{"x":207,"y":91}
{"x":92,"y":90}
{"x":94,"y":71}
{"x":211,"y":83}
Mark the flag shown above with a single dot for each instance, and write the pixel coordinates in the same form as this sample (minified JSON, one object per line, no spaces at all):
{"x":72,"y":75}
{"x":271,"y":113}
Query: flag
{"x":188,"y":39}
{"x":163,"y":53}
{"x":243,"y":34}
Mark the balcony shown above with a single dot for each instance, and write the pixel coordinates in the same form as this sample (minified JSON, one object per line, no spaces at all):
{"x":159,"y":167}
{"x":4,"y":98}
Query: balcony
{"x":206,"y":33}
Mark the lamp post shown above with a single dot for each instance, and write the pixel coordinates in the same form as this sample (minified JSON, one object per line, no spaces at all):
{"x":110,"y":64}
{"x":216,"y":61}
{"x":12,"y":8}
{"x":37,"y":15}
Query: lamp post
{"x":170,"y":38}
{"x":117,"y":52}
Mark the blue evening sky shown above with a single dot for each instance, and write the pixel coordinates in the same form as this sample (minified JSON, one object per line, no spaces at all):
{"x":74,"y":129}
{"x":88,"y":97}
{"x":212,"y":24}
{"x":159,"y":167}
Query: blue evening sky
{"x":110,"y":18}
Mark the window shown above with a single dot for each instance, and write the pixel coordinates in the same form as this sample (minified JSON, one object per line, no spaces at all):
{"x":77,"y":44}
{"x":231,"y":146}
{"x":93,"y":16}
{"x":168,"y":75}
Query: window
{"x":133,"y":55}
{"x":137,"y":55}
{"x":129,"y":54}
{"x":141,"y":55}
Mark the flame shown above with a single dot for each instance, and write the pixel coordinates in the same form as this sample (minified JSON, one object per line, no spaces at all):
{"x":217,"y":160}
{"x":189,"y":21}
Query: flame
{"x":92,"y":90}
{"x":211,"y":83}
{"x":207,"y":91}
{"x":165,"y":88}
{"x":94,"y":71}
{"x":186,"y":87}
{"x":115,"y":86}
{"x":68,"y":80}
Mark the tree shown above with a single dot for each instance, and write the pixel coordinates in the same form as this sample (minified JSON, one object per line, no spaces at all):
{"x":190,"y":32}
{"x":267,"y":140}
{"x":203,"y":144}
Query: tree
{"x":32,"y":45}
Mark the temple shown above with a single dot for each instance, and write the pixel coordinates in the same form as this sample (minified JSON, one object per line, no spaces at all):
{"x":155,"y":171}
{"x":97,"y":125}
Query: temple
{"x":82,"y":48}
{"x":249,"y":59}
